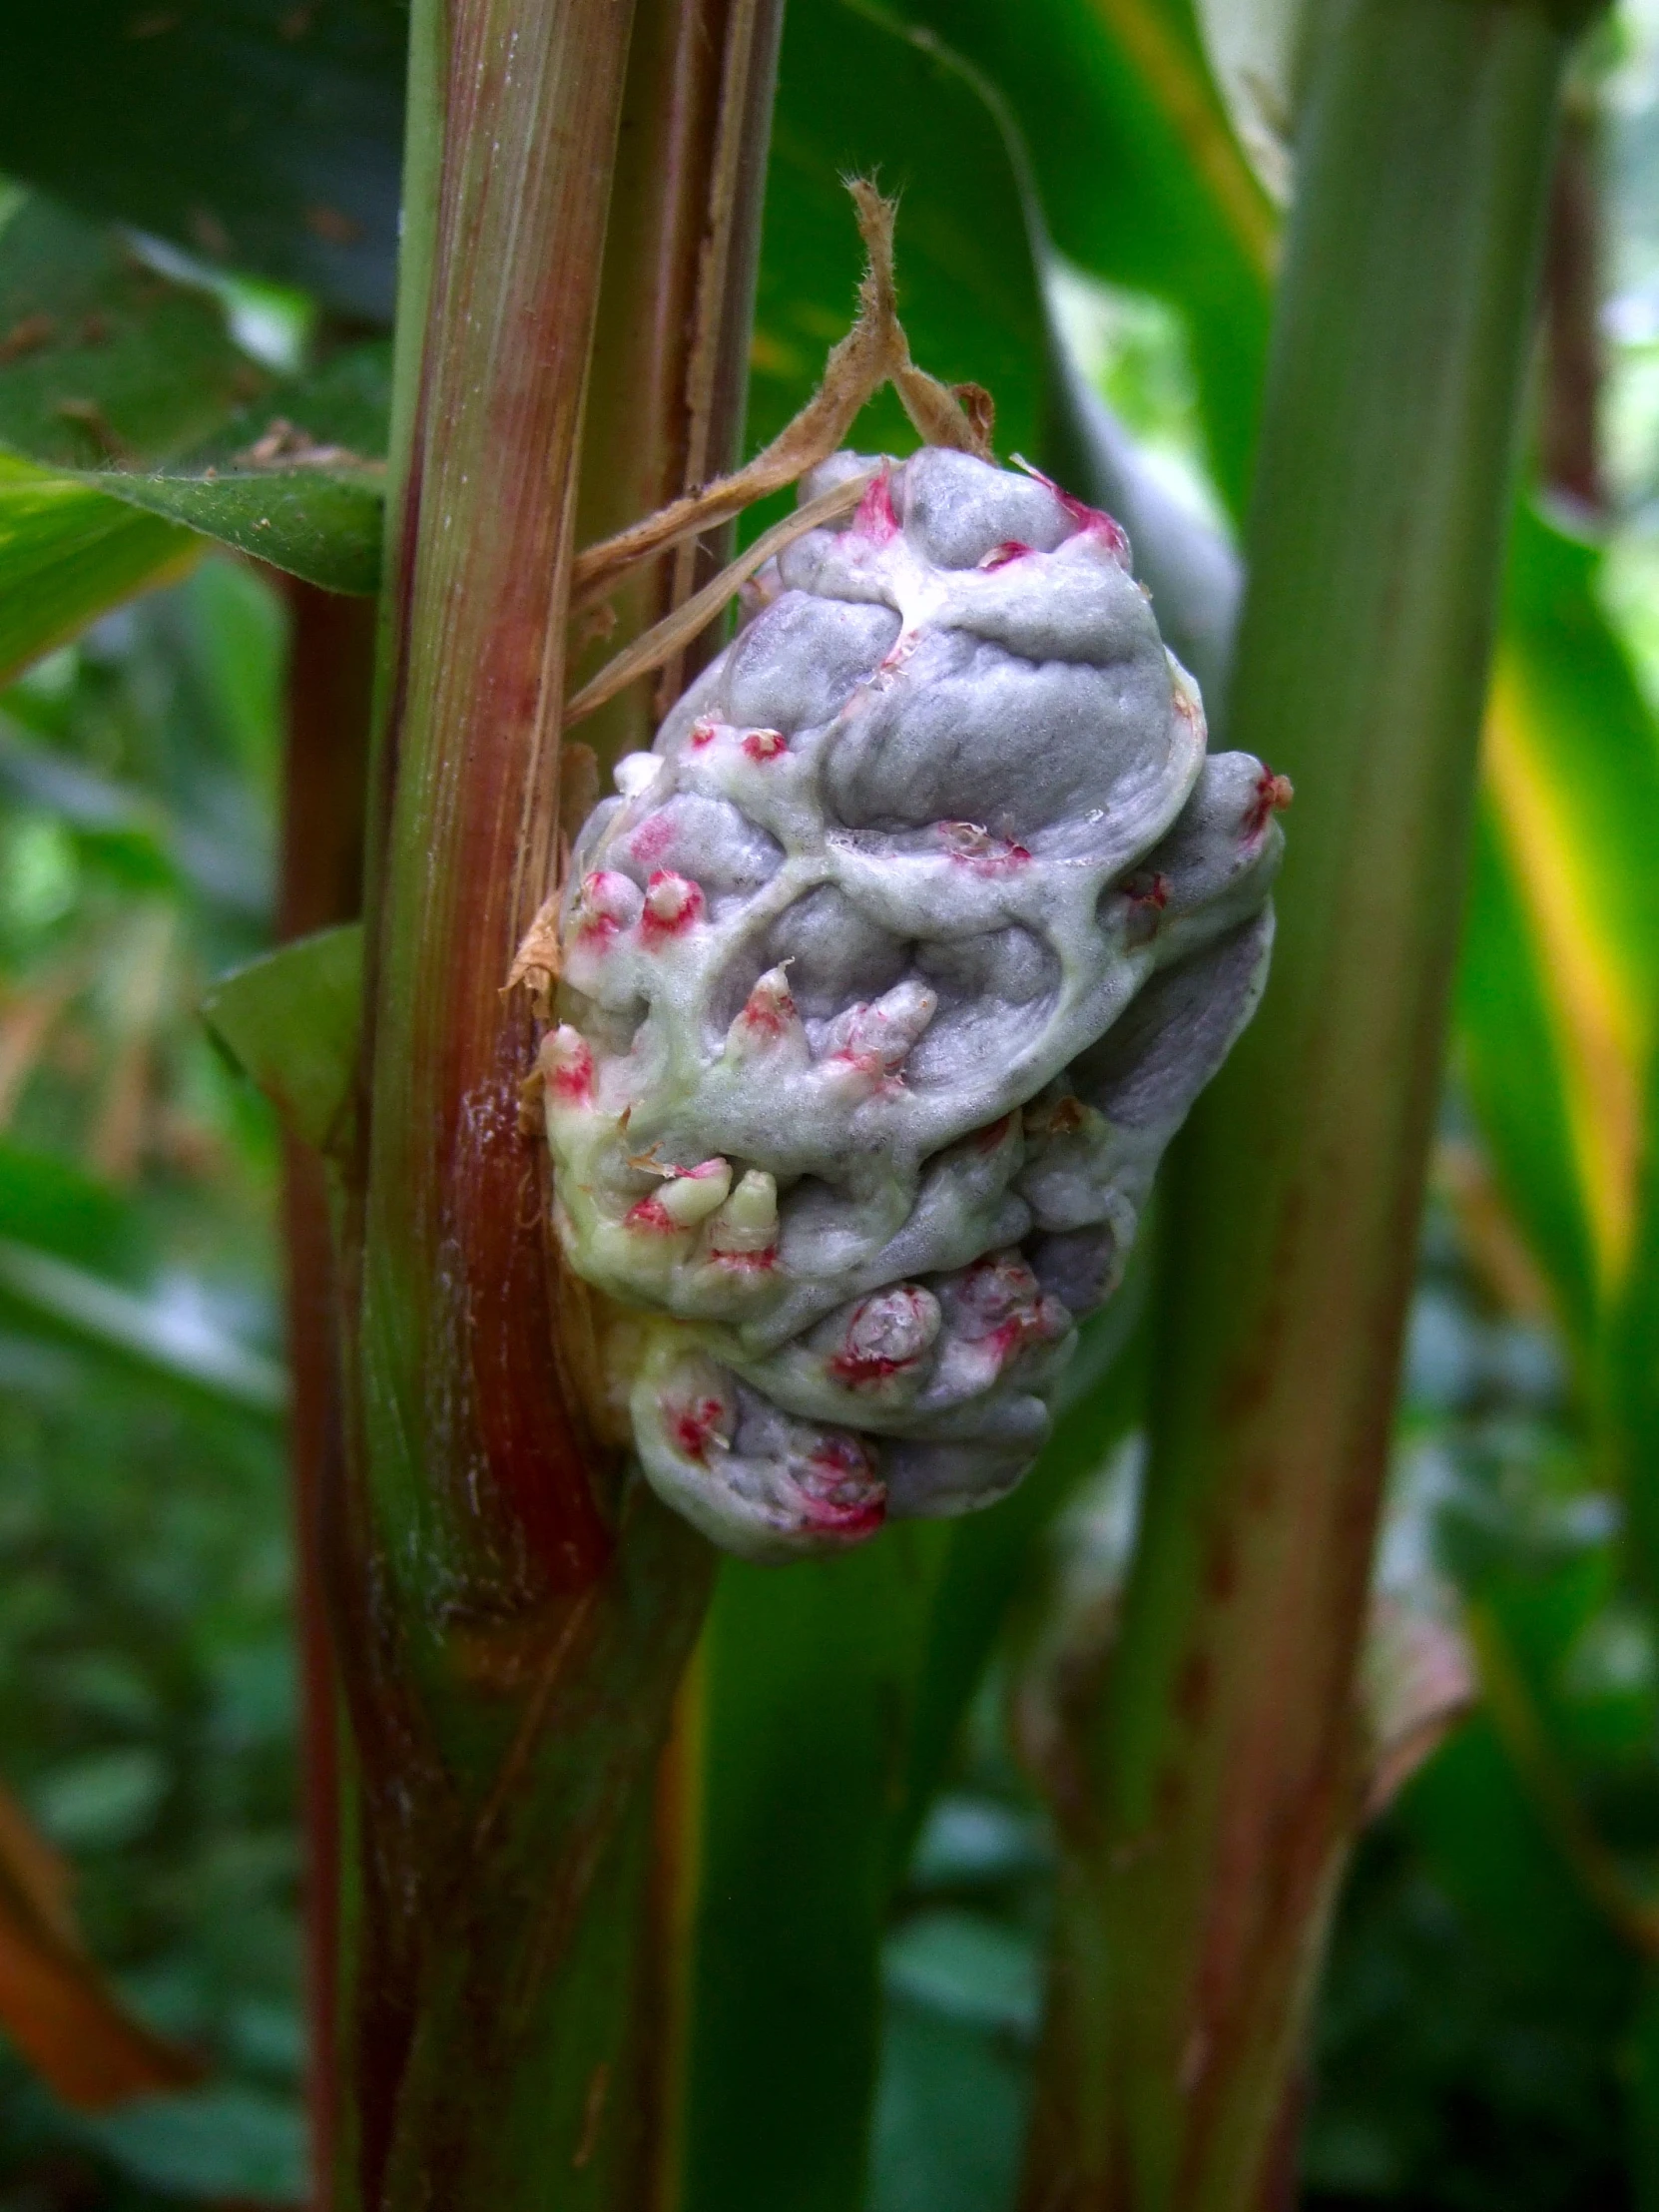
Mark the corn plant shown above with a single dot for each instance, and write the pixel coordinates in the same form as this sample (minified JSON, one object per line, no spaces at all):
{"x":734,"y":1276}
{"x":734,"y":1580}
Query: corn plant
{"x":604,"y":1827}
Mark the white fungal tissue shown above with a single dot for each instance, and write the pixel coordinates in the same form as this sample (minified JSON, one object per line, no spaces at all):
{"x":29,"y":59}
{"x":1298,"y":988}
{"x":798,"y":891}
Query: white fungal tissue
{"x":888,"y":975}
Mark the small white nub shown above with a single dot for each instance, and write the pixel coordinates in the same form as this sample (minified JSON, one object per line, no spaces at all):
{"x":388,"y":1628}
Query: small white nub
{"x":634,"y":772}
{"x":748,"y":1222}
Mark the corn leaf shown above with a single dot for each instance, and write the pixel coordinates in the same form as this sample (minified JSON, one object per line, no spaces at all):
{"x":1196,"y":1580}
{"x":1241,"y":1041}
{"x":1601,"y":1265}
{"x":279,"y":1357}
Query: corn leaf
{"x":290,"y":1022}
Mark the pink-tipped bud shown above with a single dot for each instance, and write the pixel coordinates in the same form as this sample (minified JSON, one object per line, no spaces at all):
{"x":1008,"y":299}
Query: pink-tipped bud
{"x":843,"y":1493}
{"x":768,"y":1016}
{"x":870,"y":1043}
{"x":764,"y":744}
{"x":742,"y":1235}
{"x":1000,"y":1307}
{"x":606,"y":902}
{"x":703,"y":733}
{"x":566,"y":1064}
{"x":673,"y":903}
{"x":693,"y":1193}
{"x":887,"y":1334}
{"x":686,"y":1197}
{"x":999,"y":556}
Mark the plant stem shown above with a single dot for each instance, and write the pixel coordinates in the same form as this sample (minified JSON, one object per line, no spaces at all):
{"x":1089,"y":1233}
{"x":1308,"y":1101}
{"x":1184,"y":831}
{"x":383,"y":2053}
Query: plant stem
{"x":1226,"y":1765}
{"x":480,"y":1588}
{"x":512,"y":1618}
{"x":331,"y":677}
{"x":675,"y":308}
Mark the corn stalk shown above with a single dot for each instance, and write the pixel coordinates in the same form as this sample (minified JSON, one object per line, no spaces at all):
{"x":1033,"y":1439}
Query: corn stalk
{"x":1226,"y":1767}
{"x":510,"y":1623}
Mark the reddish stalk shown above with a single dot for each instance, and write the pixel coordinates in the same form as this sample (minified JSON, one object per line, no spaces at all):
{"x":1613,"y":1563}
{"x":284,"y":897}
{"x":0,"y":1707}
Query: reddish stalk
{"x":331,"y":676}
{"x":512,"y":1623}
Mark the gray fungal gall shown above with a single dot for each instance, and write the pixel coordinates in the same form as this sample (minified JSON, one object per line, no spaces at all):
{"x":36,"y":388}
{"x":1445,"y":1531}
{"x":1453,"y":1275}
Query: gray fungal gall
{"x":887,"y":976}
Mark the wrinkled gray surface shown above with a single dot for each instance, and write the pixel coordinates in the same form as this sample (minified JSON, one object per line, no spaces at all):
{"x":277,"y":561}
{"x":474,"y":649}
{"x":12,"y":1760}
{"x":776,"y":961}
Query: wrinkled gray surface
{"x":914,"y":938}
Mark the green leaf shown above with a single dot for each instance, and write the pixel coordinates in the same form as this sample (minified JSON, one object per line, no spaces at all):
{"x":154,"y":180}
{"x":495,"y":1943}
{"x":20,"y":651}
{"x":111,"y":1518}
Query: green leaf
{"x":804,"y":1688}
{"x":296,"y":477}
{"x":1509,"y":1058}
{"x":159,"y":1333}
{"x":1141,"y":180}
{"x":269,"y":135}
{"x":324,"y":526}
{"x":213,"y":2143}
{"x":47,"y":1203}
{"x":75,"y":1264}
{"x":857,"y":97}
{"x":290,"y":1022}
{"x":1642,"y":2075}
{"x":120,"y":378}
{"x":968,"y":1968}
{"x":1559,"y":996}
{"x":1630,"y":1379}
{"x":68,"y":554}
{"x":989,"y":1553}
{"x":950,"y":2118}
{"x":102,"y":357}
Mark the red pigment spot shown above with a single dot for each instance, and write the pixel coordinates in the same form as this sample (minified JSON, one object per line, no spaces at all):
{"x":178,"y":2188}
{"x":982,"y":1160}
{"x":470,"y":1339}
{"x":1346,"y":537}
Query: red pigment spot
{"x":695,"y":1428}
{"x":653,"y":1214}
{"x":869,"y":1064}
{"x":745,"y":1263}
{"x":1147,"y":897}
{"x":988,"y":1138}
{"x":672,"y":903}
{"x":1272,"y":796}
{"x":1094,"y":522}
{"x":702,"y":733}
{"x":851,"y":1521}
{"x":875,"y":517}
{"x":840,"y":1491}
{"x":859,"y":1369}
{"x":764,"y":744}
{"x":1153,"y":893}
{"x":1000,"y":555}
{"x":652,"y":838}
{"x":975,"y":848}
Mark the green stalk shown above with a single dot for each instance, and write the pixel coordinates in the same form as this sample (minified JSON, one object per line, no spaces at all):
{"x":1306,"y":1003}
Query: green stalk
{"x":511,"y":1622}
{"x":1226,"y":1765}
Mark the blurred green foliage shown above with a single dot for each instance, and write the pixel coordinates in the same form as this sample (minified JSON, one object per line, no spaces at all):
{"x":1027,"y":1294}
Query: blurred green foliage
{"x":146,"y":1696}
